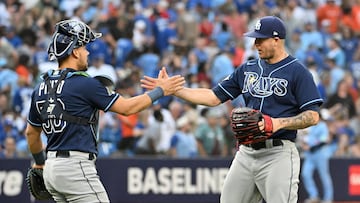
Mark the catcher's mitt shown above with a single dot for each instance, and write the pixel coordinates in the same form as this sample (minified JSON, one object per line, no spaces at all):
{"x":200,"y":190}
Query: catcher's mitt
{"x":36,"y":185}
{"x":244,"y":122}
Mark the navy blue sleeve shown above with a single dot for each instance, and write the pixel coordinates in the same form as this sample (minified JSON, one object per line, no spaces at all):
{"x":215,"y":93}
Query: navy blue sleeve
{"x":307,"y":94}
{"x":97,"y":94}
{"x":33,"y":116}
{"x":230,"y":88}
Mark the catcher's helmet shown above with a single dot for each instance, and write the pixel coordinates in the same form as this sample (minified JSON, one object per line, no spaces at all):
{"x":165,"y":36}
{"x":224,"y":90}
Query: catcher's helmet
{"x":68,"y":35}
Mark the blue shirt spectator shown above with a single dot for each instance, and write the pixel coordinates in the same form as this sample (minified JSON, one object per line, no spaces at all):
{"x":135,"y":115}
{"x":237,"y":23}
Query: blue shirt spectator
{"x":183,"y":143}
{"x":8,"y":80}
{"x":149,"y":63}
{"x":99,"y":47}
{"x":123,"y":48}
{"x":224,"y":37}
{"x":222,"y":67}
{"x":311,"y":37}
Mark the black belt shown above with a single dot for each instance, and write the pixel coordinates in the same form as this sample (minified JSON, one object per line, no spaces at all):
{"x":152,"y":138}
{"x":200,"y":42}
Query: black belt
{"x":66,"y":154}
{"x":262,"y":144}
{"x":316,"y":147}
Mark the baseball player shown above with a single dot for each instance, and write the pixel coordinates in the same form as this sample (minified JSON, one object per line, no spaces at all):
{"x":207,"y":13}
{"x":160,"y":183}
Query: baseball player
{"x":278,"y":85}
{"x":65,"y":106}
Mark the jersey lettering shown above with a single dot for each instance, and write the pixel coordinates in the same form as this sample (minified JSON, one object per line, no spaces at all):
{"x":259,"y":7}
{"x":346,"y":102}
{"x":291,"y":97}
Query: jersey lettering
{"x":260,"y":87}
{"x":43,"y":89}
{"x":52,"y":124}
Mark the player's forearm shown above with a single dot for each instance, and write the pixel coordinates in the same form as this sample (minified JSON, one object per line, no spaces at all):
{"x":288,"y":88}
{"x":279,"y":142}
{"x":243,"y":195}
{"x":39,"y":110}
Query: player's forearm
{"x":34,"y":139}
{"x":202,"y":96}
{"x":300,"y":121}
{"x":131,"y":105}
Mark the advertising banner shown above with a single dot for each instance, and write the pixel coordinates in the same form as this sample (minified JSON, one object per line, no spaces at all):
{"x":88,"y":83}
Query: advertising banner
{"x":166,"y":180}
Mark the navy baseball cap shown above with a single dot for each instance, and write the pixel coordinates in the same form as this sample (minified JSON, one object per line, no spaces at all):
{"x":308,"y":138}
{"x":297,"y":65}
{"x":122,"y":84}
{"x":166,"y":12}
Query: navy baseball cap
{"x":268,"y":27}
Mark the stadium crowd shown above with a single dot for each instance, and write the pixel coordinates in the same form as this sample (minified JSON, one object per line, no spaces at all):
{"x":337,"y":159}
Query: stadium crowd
{"x":199,"y":39}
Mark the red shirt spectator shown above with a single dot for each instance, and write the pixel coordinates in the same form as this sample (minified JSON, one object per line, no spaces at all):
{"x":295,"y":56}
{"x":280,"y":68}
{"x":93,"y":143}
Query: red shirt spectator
{"x":329,"y":12}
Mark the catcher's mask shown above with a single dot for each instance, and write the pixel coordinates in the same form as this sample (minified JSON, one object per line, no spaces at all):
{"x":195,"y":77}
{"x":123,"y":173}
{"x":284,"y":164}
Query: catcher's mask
{"x":69,"y":35}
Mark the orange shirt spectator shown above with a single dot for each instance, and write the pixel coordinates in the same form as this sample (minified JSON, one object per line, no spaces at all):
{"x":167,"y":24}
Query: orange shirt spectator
{"x":355,"y":16}
{"x":127,"y":124}
{"x":238,"y":56}
{"x":22,"y":70}
{"x":237,"y":23}
{"x":329,"y":12}
{"x":347,"y":20}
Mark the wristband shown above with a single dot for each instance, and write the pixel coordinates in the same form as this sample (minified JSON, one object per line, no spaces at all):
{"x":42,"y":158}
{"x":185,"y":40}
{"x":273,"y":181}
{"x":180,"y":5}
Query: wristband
{"x":155,"y":94}
{"x":39,"y":158}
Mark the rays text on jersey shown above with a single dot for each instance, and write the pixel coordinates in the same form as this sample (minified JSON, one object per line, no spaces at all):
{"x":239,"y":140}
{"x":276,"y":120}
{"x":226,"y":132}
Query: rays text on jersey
{"x":260,"y":86}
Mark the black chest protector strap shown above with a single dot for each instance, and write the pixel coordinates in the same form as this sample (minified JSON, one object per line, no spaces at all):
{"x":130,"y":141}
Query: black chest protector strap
{"x":54,"y":108}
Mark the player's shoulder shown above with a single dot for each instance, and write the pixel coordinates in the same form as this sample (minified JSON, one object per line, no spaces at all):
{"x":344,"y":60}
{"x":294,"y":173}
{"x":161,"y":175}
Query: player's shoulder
{"x":251,"y":62}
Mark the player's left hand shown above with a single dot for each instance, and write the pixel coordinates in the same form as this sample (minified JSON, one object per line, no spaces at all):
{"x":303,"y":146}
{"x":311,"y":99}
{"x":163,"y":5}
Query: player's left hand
{"x":150,"y":83}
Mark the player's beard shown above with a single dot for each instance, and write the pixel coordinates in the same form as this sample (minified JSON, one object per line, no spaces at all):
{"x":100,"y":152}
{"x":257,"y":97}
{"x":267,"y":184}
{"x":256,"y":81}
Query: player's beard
{"x":83,"y":66}
{"x":267,"y":54}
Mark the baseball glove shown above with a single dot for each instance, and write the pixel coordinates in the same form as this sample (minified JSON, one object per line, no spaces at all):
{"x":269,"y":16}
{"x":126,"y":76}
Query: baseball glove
{"x":244,"y":122}
{"x":36,"y":185}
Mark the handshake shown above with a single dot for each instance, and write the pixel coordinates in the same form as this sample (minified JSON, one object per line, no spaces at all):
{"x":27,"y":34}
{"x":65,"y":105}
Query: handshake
{"x":163,"y":85}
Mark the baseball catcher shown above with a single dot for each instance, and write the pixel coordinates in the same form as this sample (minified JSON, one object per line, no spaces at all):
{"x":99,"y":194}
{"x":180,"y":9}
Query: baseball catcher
{"x":245,"y":125}
{"x":36,"y":185}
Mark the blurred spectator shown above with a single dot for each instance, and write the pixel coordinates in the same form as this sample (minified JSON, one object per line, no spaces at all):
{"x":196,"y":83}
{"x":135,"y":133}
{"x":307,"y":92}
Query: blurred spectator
{"x":348,"y":44}
{"x":336,"y":75}
{"x":109,"y":134}
{"x":186,"y":25}
{"x":312,"y":66}
{"x":192,"y":114}
{"x":316,"y":157}
{"x":139,"y":38}
{"x":9,"y":151}
{"x":343,"y":148}
{"x":236,"y":21}
{"x":100,"y":68}
{"x":221,"y":66}
{"x":224,"y":37}
{"x":341,"y":103}
{"x":355,"y":147}
{"x":176,"y":109}
{"x":183,"y":142}
{"x":330,"y":13}
{"x":13,"y":37}
{"x":229,"y":139}
{"x":100,"y":49}
{"x":352,"y":86}
{"x":23,"y":68}
{"x":22,"y":97}
{"x":128,"y":138}
{"x":310,"y":36}
{"x":200,"y":51}
{"x":336,"y":53}
{"x":238,"y":53}
{"x":4,"y":103}
{"x":149,"y":62}
{"x":8,"y":80}
{"x":210,"y":136}
{"x":157,"y":134}
{"x":160,"y":20}
{"x":355,"y":16}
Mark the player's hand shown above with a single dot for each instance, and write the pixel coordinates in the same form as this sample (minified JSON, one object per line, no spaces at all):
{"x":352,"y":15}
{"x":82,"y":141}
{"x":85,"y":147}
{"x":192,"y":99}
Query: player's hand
{"x":170,"y":85}
{"x":150,"y":83}
{"x":37,"y":166}
{"x":275,"y":125}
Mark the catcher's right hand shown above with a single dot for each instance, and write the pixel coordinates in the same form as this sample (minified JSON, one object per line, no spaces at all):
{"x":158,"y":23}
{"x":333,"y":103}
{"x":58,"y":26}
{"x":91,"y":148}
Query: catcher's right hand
{"x":36,"y":185}
{"x":245,"y":125}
